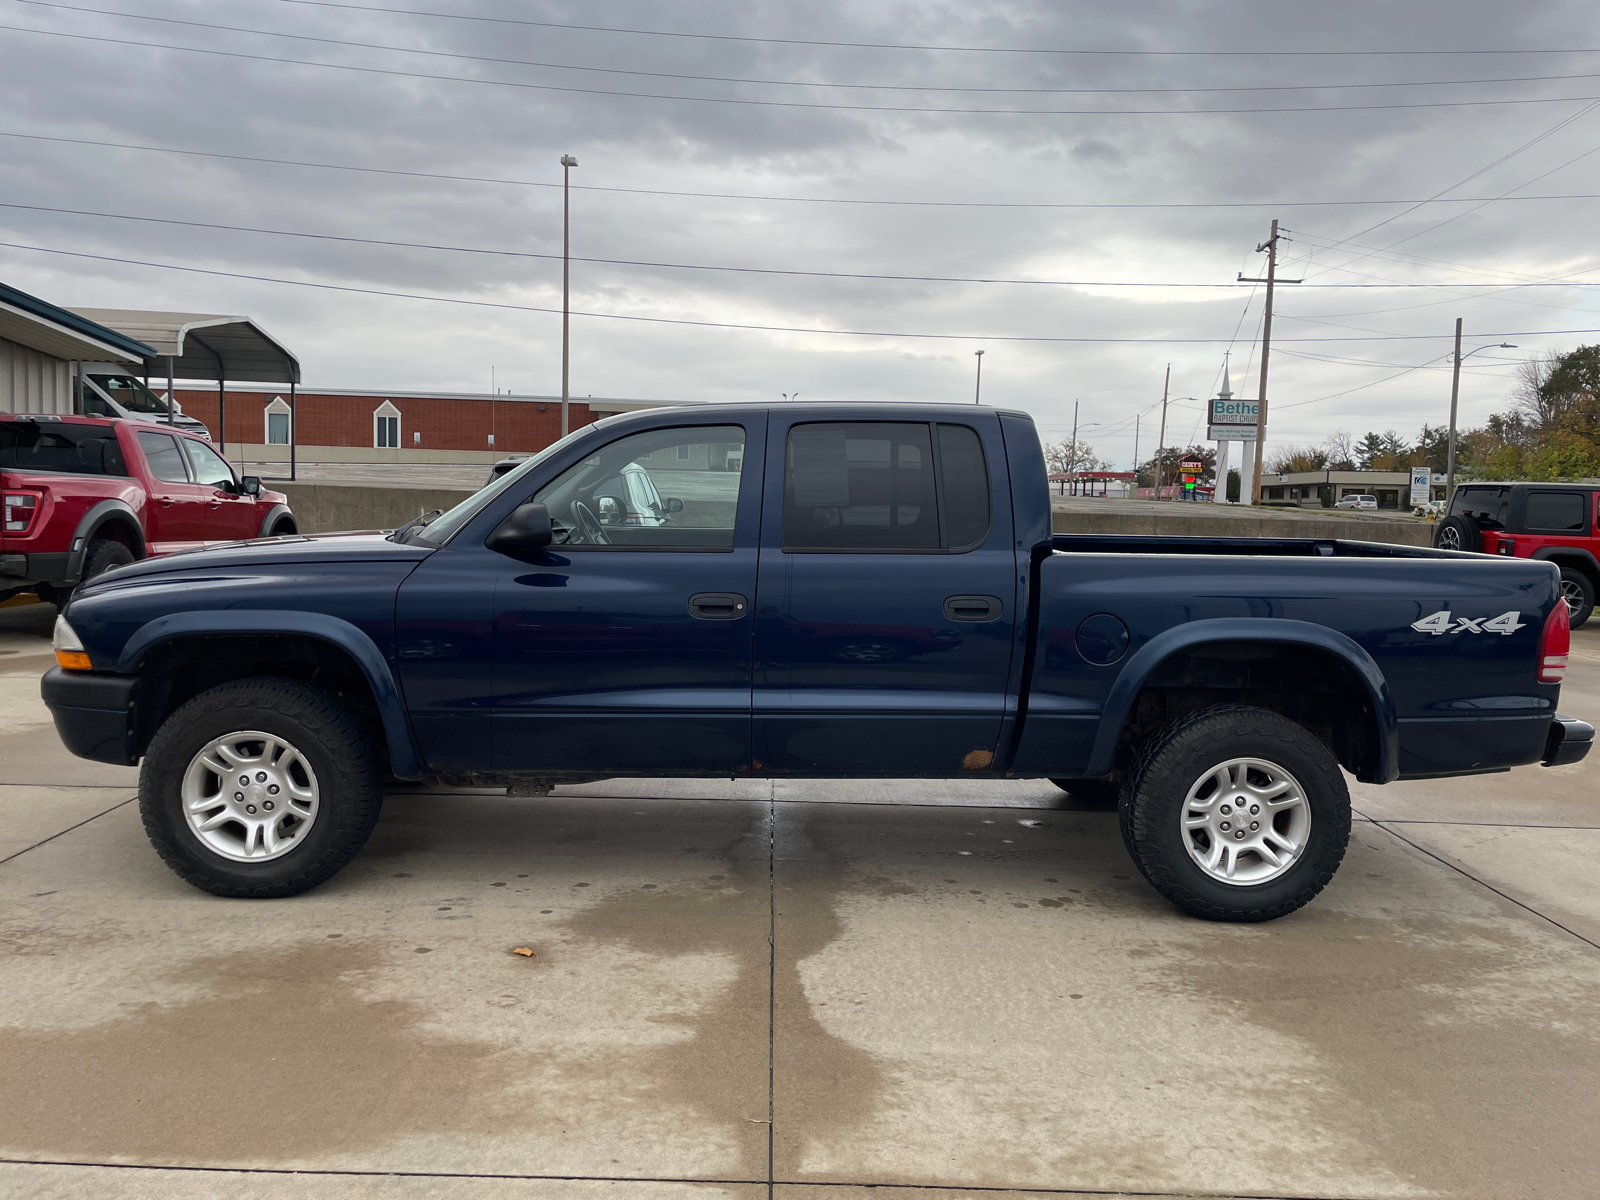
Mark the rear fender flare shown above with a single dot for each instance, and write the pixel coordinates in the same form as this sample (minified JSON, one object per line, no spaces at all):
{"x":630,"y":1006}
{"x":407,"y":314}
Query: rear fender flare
{"x":268,"y":521}
{"x":369,"y":659}
{"x":90,"y":524}
{"x":1576,"y":555}
{"x":1119,"y":704}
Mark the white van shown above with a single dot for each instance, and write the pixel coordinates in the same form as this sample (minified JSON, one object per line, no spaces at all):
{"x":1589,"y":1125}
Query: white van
{"x":109,"y":391}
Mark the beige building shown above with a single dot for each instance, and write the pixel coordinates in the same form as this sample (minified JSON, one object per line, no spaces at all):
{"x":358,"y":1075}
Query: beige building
{"x":39,"y":345}
{"x":1305,"y":488}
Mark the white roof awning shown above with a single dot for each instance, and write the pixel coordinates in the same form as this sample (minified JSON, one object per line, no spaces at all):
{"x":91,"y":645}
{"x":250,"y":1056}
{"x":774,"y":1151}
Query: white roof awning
{"x":203,"y":345}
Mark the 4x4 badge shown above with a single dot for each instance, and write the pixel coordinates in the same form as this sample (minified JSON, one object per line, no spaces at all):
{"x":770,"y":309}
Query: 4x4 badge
{"x":1442,"y":622}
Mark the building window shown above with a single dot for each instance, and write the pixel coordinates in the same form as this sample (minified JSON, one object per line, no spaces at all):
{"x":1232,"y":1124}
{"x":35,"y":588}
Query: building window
{"x":386,"y":426}
{"x":683,"y":454}
{"x":277,"y":422}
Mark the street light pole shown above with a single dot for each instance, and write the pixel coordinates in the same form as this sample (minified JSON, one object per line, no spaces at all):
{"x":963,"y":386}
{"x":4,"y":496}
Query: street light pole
{"x":1455,"y":392}
{"x":977,"y":392}
{"x":567,"y":163}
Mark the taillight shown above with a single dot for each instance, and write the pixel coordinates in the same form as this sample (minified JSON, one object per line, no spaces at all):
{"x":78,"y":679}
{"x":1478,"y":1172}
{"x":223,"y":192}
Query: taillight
{"x":1555,"y":643}
{"x":19,"y":510}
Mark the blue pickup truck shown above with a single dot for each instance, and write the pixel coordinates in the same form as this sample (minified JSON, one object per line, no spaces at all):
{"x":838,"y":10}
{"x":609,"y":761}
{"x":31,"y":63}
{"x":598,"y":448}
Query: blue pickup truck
{"x":817,"y":590}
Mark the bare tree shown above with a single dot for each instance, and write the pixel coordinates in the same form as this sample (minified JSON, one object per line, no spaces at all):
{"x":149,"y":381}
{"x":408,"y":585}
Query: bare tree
{"x":1340,"y":449}
{"x":1529,"y":395}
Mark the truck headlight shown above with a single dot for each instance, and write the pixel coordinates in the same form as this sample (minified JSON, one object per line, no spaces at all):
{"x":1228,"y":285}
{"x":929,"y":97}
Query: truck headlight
{"x":70,"y":654}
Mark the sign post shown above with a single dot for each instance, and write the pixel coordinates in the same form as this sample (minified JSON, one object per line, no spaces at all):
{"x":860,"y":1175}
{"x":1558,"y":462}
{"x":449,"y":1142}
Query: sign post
{"x":1421,"y":477}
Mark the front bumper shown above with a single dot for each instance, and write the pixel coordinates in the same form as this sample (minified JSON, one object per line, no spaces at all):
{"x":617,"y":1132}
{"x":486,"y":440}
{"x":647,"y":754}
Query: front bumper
{"x":94,"y":713}
{"x":1569,"y":741}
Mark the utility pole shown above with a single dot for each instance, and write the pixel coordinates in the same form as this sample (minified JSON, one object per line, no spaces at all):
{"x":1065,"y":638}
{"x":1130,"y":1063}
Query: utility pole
{"x":1271,"y":247}
{"x":567,"y":163}
{"x":1136,"y":455}
{"x":1161,"y":441}
{"x":977,"y":391}
{"x":1455,"y":390}
{"x":1072,"y":454}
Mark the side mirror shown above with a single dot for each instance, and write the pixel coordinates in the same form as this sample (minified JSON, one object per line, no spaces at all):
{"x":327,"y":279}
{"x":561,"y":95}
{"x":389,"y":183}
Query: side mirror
{"x":674,"y":505}
{"x":523,"y":533}
{"x":250,"y":485}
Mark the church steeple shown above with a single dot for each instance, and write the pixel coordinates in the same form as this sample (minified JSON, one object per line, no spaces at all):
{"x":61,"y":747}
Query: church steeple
{"x":1227,"y":392}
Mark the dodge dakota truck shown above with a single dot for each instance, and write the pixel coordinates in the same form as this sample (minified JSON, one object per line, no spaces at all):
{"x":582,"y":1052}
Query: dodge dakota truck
{"x":823,"y":590}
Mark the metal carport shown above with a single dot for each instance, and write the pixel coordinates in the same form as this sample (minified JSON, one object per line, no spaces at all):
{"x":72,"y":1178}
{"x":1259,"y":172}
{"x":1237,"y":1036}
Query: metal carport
{"x":209,"y":346}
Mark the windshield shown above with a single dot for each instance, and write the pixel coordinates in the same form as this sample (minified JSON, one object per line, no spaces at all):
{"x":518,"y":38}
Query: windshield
{"x":445,"y":526}
{"x":132,"y":395}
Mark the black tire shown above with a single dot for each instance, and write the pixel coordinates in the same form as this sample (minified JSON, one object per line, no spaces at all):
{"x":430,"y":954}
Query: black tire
{"x":1458,"y":533}
{"x":1178,"y":758}
{"x":1577,"y":589}
{"x":102,"y":556}
{"x":350,"y":794}
{"x":1102,"y":794}
{"x":283,"y":528}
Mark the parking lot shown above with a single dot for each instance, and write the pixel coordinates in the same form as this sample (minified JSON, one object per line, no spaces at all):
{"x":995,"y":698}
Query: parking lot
{"x":804,"y":990}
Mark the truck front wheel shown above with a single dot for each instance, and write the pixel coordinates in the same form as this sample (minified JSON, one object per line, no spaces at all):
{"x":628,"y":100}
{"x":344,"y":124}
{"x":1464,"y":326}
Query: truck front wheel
{"x":1236,"y":814}
{"x":259,"y":788}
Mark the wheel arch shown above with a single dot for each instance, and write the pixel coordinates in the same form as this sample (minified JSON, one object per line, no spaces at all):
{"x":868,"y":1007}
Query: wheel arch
{"x":275,"y":514}
{"x":106,"y":516}
{"x":1363,"y":729}
{"x":1571,"y":556}
{"x":178,"y":656}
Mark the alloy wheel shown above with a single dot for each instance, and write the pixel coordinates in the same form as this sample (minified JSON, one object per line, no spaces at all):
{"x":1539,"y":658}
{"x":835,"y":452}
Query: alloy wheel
{"x":1245,"y":821}
{"x":250,"y":796}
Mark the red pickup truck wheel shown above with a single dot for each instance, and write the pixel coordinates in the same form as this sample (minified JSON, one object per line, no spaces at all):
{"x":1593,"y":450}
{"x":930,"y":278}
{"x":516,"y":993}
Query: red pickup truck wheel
{"x":102,"y":556}
{"x":1236,"y":814}
{"x":259,"y":788}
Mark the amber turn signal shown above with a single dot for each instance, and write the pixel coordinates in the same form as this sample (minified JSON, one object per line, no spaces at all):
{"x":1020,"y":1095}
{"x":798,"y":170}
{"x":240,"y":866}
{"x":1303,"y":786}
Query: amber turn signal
{"x":73,"y":660}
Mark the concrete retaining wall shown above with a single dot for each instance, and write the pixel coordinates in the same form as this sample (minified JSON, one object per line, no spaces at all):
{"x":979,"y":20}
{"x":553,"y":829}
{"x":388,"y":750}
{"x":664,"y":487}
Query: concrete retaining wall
{"x":333,"y":507}
{"x":1238,"y":524}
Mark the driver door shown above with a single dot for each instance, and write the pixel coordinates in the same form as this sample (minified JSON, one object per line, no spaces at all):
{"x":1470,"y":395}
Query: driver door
{"x":626,"y":648}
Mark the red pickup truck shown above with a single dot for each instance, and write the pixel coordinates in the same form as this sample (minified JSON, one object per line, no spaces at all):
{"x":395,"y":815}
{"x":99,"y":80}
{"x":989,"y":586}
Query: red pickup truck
{"x":85,"y":494}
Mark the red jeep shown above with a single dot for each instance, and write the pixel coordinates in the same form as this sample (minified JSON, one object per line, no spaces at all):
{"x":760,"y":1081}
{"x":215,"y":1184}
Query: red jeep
{"x":85,"y":494}
{"x":1550,"y":521}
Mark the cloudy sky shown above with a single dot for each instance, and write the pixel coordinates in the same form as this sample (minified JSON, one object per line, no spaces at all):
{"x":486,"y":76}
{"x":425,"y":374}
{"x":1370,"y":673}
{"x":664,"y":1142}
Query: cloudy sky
{"x":844,"y":200}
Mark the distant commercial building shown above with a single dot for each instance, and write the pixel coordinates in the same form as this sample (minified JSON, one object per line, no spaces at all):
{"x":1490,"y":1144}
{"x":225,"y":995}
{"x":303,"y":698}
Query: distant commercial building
{"x":1305,"y":488}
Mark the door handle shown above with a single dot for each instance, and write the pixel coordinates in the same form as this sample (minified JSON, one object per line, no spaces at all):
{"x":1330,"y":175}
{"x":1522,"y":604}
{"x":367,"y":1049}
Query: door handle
{"x":166,"y":501}
{"x":972,"y":608}
{"x":717,"y":606}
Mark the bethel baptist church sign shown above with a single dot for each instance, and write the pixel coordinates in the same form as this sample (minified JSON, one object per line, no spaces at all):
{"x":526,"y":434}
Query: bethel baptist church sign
{"x":1233,"y":420}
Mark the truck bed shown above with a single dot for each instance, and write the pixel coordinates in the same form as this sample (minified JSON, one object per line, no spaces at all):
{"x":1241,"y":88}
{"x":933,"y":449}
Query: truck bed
{"x":1098,"y":543}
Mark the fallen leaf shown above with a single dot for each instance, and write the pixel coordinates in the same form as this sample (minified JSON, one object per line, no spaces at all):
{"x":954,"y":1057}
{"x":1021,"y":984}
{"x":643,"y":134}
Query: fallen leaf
{"x":524,"y":951}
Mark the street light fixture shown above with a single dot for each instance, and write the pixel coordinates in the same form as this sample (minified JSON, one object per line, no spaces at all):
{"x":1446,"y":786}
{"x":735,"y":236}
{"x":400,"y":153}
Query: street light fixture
{"x":567,"y":163}
{"x":790,"y":395}
{"x":1455,"y":391}
{"x":977,"y":392}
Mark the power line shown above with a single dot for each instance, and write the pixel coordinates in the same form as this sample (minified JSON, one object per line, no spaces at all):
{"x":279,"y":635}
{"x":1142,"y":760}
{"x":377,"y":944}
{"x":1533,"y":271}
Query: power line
{"x":957,"y":337}
{"x":794,"y":104}
{"x":535,"y":183}
{"x":628,"y":262}
{"x":728,"y":37}
{"x":803,"y":83}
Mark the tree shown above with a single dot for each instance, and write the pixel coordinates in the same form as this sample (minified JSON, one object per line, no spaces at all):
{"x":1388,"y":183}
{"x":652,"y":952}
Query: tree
{"x":1064,"y":457}
{"x":1385,"y":451}
{"x":1340,"y":449}
{"x":1295,"y":460}
{"x":1432,"y":448}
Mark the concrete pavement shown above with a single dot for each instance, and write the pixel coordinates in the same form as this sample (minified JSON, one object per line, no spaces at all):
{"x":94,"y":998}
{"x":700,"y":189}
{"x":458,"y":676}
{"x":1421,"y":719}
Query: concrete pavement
{"x":962,"y":987}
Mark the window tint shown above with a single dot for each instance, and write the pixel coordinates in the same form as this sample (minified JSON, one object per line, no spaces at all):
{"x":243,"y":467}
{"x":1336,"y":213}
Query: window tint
{"x":165,"y":459}
{"x":61,"y":448}
{"x":1564,"y":512}
{"x":209,"y":467}
{"x":1486,"y":504}
{"x":667,"y":489}
{"x":860,"y":485}
{"x":963,"y":486}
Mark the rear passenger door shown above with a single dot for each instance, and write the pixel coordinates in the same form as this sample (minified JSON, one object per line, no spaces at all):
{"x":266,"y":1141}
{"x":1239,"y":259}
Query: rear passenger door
{"x":176,"y":514}
{"x":887,"y":597}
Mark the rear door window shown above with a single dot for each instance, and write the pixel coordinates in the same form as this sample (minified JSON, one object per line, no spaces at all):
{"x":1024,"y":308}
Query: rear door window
{"x":885,"y":487}
{"x":1486,"y":505}
{"x":165,"y":459}
{"x":1557,"y":512}
{"x":61,"y":448}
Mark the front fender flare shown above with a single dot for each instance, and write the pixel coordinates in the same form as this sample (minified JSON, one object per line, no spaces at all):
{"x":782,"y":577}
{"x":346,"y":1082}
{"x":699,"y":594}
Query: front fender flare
{"x":1119,"y":704}
{"x":90,"y":523}
{"x":403,"y":760}
{"x":273,"y":513}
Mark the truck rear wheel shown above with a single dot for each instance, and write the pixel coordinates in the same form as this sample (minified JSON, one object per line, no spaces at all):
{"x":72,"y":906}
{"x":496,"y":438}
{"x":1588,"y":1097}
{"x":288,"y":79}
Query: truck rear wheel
{"x":1236,"y":814}
{"x":103,"y":555}
{"x":259,"y":788}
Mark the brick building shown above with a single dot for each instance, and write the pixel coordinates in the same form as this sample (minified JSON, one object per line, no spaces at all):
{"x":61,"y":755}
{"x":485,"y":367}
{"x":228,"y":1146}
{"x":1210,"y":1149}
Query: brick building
{"x":406,"y":421}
